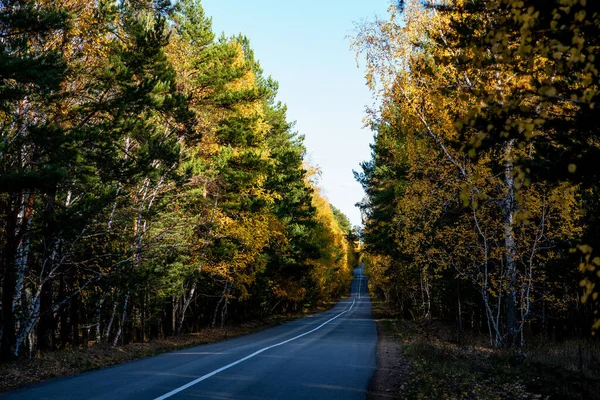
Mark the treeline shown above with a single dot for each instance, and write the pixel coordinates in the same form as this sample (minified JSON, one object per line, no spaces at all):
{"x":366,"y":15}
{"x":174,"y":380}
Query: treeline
{"x":483,"y":189}
{"x":150,"y":184}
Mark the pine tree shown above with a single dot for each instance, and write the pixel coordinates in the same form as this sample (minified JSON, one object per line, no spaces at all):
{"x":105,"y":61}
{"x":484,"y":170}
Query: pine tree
{"x":32,"y":145}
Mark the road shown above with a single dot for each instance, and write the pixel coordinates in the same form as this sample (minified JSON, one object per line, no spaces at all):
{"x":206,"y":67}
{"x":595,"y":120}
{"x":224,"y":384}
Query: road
{"x":330,"y":355}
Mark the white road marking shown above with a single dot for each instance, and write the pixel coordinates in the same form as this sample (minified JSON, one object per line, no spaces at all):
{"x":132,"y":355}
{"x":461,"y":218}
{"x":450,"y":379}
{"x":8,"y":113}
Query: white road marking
{"x":241,"y":360}
{"x":359,"y":284}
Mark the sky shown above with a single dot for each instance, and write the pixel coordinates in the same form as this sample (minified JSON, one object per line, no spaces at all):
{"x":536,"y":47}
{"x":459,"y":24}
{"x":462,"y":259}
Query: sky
{"x":304,"y":46}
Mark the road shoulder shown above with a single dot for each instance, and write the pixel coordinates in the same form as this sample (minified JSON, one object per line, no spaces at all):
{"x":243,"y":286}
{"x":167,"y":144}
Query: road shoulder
{"x":392,"y":373}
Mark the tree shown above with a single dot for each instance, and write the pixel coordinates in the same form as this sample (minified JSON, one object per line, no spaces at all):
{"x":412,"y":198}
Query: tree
{"x":468,"y":207}
{"x":149,"y":182}
{"x":32,"y":144}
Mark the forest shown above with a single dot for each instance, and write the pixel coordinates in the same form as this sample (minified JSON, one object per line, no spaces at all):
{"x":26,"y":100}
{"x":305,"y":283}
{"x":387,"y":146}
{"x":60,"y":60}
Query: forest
{"x":150,"y":182}
{"x":482,"y":193}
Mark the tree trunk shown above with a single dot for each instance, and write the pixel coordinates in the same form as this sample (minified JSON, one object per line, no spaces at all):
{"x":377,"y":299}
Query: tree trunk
{"x":63,"y":315}
{"x":16,"y":223}
{"x":8,"y":340}
{"x":28,"y":324}
{"x":112,"y":319}
{"x":46,"y":321}
{"x":169,"y":318}
{"x":75,"y":317}
{"x":224,"y":308}
{"x":187,"y":300}
{"x":122,"y":322}
{"x":21,"y":267}
{"x":99,"y":319}
{"x":510,"y":248}
{"x":214,"y":321}
{"x":51,"y":242}
{"x":143,"y":317}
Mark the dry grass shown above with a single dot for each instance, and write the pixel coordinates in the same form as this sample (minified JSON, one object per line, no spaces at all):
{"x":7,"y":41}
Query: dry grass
{"x":577,"y":356}
{"x":447,"y":364}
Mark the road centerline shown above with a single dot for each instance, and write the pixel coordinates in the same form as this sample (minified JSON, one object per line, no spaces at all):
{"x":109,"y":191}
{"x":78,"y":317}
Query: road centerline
{"x":359,"y":284}
{"x":241,"y":360}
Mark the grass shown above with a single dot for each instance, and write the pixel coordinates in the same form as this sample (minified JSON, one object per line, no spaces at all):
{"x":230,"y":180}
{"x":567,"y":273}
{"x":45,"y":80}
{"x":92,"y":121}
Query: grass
{"x":447,"y":364}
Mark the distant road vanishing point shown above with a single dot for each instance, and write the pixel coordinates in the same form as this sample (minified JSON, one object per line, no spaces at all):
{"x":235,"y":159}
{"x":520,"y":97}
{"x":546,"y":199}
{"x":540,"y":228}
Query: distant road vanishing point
{"x":330,"y":355}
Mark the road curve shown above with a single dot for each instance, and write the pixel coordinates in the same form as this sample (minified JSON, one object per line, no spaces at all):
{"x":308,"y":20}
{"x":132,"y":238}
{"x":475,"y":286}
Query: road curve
{"x":330,"y":355}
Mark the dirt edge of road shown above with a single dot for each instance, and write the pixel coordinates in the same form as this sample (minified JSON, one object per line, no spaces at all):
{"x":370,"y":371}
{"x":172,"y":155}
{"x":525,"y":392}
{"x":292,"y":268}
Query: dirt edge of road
{"x":392,"y":373}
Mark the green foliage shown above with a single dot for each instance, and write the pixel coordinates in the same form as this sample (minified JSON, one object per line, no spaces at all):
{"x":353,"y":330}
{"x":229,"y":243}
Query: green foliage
{"x":481,"y":178}
{"x":149,"y":182}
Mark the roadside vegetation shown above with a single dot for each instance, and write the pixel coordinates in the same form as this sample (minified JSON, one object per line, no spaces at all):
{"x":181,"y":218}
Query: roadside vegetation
{"x":443,"y":362}
{"x":482,"y":192}
{"x":151,"y":186}
{"x":481,"y":230}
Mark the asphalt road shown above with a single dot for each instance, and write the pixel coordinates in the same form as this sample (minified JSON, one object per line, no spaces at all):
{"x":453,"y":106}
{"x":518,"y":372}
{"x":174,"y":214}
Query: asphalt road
{"x":330,"y":355}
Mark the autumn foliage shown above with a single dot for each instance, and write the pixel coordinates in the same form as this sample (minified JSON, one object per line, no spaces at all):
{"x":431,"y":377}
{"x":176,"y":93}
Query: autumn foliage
{"x":150,"y":183}
{"x":482,"y":193}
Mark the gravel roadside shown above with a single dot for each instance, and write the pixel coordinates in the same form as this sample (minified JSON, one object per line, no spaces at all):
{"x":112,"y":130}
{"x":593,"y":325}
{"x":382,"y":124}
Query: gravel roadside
{"x":389,"y":380}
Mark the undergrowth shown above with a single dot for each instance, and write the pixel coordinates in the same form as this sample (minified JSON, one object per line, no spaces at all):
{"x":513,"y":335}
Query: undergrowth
{"x":446,"y":363}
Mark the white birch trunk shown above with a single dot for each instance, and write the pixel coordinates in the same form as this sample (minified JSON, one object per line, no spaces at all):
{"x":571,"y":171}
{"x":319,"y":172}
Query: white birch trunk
{"x":187,"y":300}
{"x":21,"y":260}
{"x":99,"y":319}
{"x":122,"y":322}
{"x":214,"y":321}
{"x":111,"y":320}
{"x":510,"y":244}
{"x":30,"y":322}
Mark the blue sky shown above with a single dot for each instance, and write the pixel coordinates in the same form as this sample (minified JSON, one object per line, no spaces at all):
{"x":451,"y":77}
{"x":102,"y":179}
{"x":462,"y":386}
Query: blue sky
{"x":303,"y":45}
